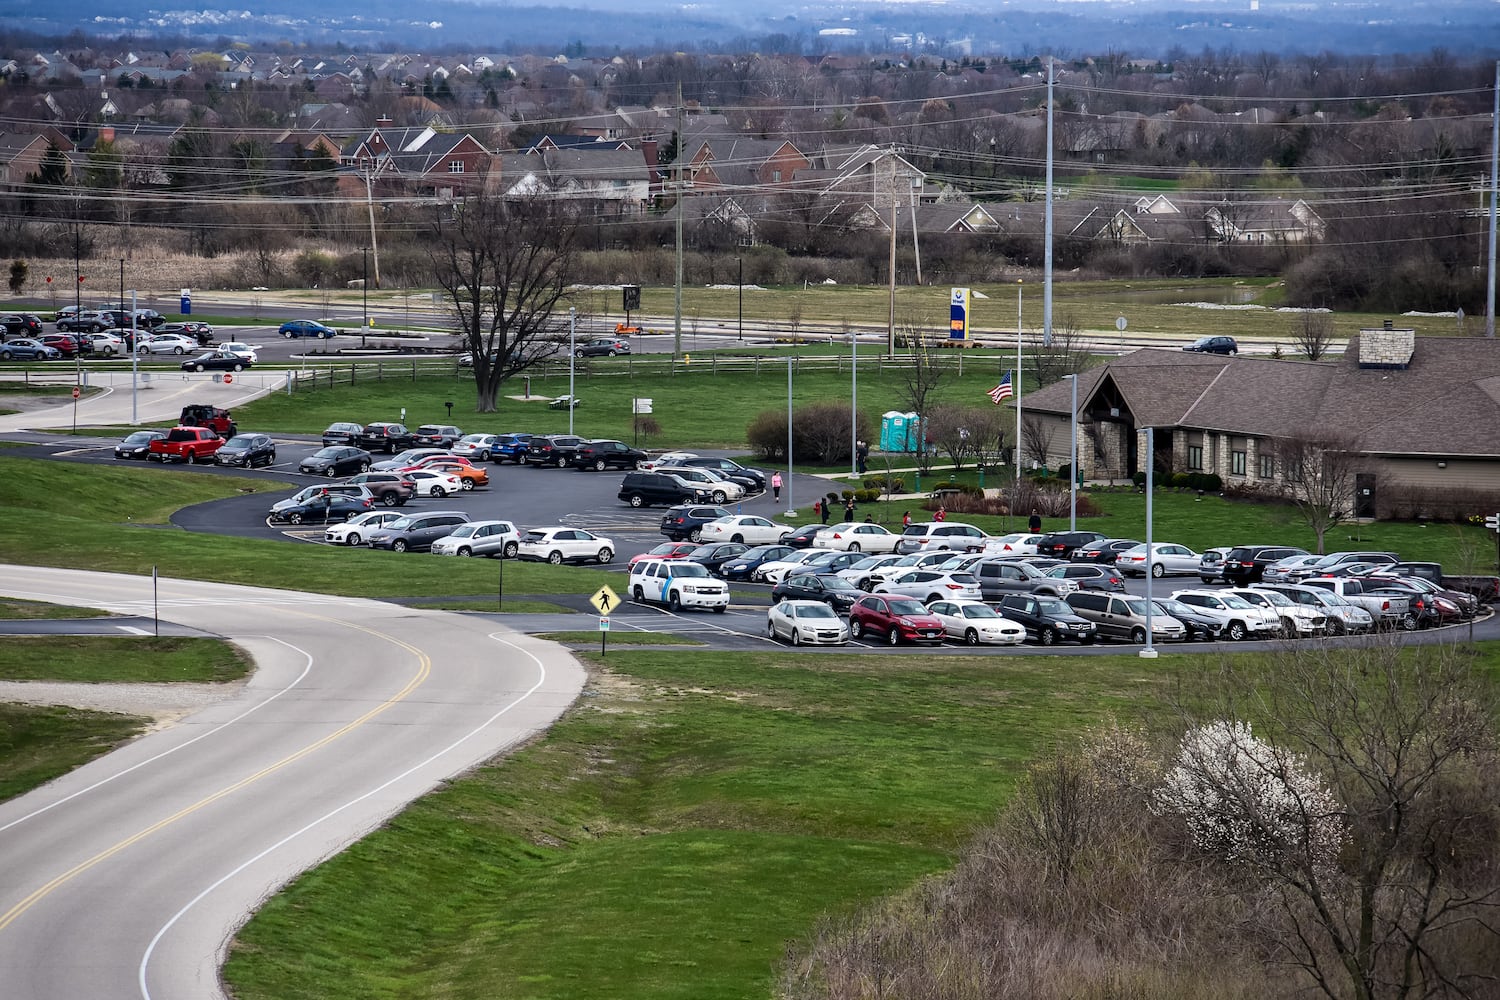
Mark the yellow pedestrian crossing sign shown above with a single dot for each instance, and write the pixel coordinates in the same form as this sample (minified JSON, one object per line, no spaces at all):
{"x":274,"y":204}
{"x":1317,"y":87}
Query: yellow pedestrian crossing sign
{"x":605,"y":600}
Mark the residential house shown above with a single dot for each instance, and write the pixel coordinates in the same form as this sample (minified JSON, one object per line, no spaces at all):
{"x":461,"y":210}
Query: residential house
{"x":417,"y":161}
{"x":21,"y":154}
{"x":1275,"y":221}
{"x":614,"y":182}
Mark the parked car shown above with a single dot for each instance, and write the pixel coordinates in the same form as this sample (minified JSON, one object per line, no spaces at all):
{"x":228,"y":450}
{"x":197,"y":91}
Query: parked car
{"x":21,"y":324}
{"x":321,"y":509}
{"x":391,"y":489}
{"x":200,"y":332}
{"x":1298,"y":621}
{"x":1060,"y":544}
{"x":1102,"y":550}
{"x":999,"y":577}
{"x":244,"y":350}
{"x":856,"y":536}
{"x":417,"y":532}
{"x":1020,"y":543}
{"x":773,"y":572}
{"x":560,"y":545}
{"x":84,"y":321}
{"x":343,"y":432}
{"x":713,"y":555}
{"x":1484,"y":588}
{"x":686,"y":521}
{"x":861,"y":572}
{"x":1198,"y":626}
{"x":604,"y":347}
{"x":106,"y":342}
{"x":306,"y":328}
{"x":1344,"y":617}
{"x":411,"y":458}
{"x":478,"y":447}
{"x":975,"y":623}
{"x":1245,"y":564}
{"x":1123,"y":618}
{"x":1240,"y":618}
{"x":150,"y":319}
{"x":480,"y":538}
{"x":606,"y":454}
{"x":443,"y":436}
{"x":649,"y":489}
{"x":186,"y":444}
{"x":512,"y":446}
{"x":746,"y":563}
{"x":387,"y":437}
{"x":1047,"y":620}
{"x":748,"y":528}
{"x":678,"y":584}
{"x":830,"y":588}
{"x":810,"y":622}
{"x":321,"y":489}
{"x":248,"y":450}
{"x":802,"y":537}
{"x":1388,"y":610}
{"x":469,"y":476}
{"x":753,"y":480}
{"x":664,"y":550}
{"x":138,"y":444}
{"x":64,"y":343}
{"x":26,"y":349}
{"x":1088,"y":577}
{"x":898,"y":619}
{"x":355,"y":530}
{"x":1211,"y":563}
{"x":820,"y":561}
{"x":900,"y":565}
{"x":717,"y":488}
{"x":166,"y":343}
{"x":1287,"y":570}
{"x":216,"y":361}
{"x":932,"y":535}
{"x":433,"y":484}
{"x":553,"y":449}
{"x":1167,"y":559}
{"x":1213,"y":345}
{"x":337,"y":460}
{"x":928,"y":585}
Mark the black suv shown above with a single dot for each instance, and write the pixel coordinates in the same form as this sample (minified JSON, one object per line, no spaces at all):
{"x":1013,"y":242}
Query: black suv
{"x":601,"y":455}
{"x":685,"y":521}
{"x":1061,"y":544}
{"x":342,"y":432}
{"x":1213,"y":345}
{"x":1247,"y":563}
{"x":553,"y":449}
{"x":389,"y":438}
{"x":649,"y":489}
{"x":21,"y":325}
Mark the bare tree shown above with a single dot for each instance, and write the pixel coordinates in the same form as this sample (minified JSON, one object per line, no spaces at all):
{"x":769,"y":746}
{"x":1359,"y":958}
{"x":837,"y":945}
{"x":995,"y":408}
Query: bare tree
{"x":918,"y":383}
{"x":1312,"y":333}
{"x":988,"y":426}
{"x":948,"y":429}
{"x":1067,"y":354}
{"x":1318,"y":471}
{"x":794,"y":320}
{"x":1036,"y":440}
{"x":504,"y":266}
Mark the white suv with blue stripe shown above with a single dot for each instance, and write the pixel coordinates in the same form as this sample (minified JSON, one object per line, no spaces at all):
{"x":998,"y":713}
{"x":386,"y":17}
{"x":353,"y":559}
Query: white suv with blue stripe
{"x":678,"y":584}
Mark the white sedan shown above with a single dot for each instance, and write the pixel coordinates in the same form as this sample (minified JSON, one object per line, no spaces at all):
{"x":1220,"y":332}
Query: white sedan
{"x":975,"y":623}
{"x":167,"y":343}
{"x":772,"y":572}
{"x":433,"y":484}
{"x":916,"y":560}
{"x":810,"y":622}
{"x":560,"y":545}
{"x":106,"y":343}
{"x":853,"y":536}
{"x":1020,"y":543}
{"x":670,"y":458}
{"x":240,"y":350}
{"x":929,"y":585}
{"x":746,"y":528}
{"x":355,"y":530}
{"x":859,"y":574}
{"x":1167,"y":559}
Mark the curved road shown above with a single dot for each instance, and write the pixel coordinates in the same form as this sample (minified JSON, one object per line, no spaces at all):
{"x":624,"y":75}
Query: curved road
{"x":125,"y":879}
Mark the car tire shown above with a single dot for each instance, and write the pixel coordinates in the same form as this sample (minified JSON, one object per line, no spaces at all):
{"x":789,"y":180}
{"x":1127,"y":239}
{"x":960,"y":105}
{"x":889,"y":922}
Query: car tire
{"x":1409,"y":622}
{"x":437,"y":491}
{"x":893,"y":637}
{"x":854,"y":547}
{"x":178,"y":350}
{"x":352,"y":538}
{"x":484,"y":456}
{"x":468,"y":485}
{"x":562,"y":463}
{"x":192,"y":458}
{"x":933,"y":598}
{"x":390,"y":500}
{"x":294,"y":518}
{"x":331,"y":472}
{"x":197,"y":368}
{"x":1208,"y":579}
{"x":1138,"y":636}
{"x":612,"y":354}
{"x":606,"y":555}
{"x":1047,"y":637}
{"x":555,"y":558}
{"x":599,"y":465}
{"x":695,"y":535}
{"x":239,"y":368}
{"x":971,"y":638}
{"x":1158,"y":571}
{"x":796,"y":636}
{"x":4,"y":355}
{"x":856,"y":630}
{"x":578,"y":354}
{"x":719,"y":496}
{"x":636,"y":500}
{"x":674,"y":603}
{"x":738,"y":539}
{"x":465,"y":552}
{"x":399,"y":545}
{"x":1236,"y":631}
{"x":770,"y":630}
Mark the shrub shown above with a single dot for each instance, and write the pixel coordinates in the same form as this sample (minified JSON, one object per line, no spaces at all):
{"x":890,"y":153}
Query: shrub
{"x":867,"y":496}
{"x":767,"y":434}
{"x":1139,"y":478}
{"x":820,"y":433}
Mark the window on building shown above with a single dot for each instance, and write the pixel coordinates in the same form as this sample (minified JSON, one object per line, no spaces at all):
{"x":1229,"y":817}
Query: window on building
{"x":455,"y":166}
{"x":1237,"y":463}
{"x":1195,"y":456}
{"x":1267,"y":467}
{"x":776,"y":177}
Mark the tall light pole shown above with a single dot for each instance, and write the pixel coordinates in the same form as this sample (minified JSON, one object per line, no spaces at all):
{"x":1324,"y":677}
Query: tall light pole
{"x":1017,"y":381}
{"x":135,"y":358}
{"x":572,"y":361}
{"x":1073,"y":462}
{"x":741,"y":286}
{"x":853,"y":402}
{"x":791,"y":508}
{"x":1149,"y":653}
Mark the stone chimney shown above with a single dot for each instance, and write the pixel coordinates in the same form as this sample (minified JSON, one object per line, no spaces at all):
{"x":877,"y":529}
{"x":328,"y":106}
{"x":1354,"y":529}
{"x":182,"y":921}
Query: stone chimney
{"x":1388,"y":346}
{"x":106,"y":133}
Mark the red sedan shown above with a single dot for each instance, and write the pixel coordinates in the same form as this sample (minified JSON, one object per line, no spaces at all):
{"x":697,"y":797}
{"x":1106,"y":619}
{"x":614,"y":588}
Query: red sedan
{"x":898,"y":619}
{"x":666,"y":550}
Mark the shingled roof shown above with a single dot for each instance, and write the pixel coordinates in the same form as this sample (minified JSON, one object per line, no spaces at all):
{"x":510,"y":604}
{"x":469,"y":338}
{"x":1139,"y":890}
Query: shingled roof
{"x":1446,"y":402}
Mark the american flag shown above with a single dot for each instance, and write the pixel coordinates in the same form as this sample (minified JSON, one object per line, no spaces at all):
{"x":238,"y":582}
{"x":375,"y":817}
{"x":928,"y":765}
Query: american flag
{"x":1001,"y":391}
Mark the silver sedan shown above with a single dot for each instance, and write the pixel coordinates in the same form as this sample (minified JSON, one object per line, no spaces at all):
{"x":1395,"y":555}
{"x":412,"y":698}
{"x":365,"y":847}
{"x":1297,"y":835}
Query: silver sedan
{"x":810,"y":622}
{"x":1167,"y":559}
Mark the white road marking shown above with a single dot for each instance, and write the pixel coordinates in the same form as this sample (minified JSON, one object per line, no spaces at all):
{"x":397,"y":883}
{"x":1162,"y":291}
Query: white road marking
{"x":132,"y":630}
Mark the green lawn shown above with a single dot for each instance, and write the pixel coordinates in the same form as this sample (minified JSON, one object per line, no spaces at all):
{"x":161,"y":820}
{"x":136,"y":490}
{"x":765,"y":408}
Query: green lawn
{"x":13,"y":608}
{"x":39,"y":743}
{"x":118,"y":659}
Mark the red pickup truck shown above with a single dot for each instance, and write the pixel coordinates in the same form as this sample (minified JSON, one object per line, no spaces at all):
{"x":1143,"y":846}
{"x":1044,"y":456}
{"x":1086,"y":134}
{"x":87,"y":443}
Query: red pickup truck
{"x":186,"y":444}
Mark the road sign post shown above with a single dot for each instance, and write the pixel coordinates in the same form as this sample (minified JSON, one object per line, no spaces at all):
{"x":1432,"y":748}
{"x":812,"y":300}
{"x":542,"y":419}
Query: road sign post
{"x":1493,"y":523}
{"x":603,"y":635}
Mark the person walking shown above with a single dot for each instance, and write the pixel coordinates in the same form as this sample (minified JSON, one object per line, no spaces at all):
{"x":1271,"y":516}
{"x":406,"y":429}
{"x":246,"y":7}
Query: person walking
{"x":941,"y":514}
{"x":824,"y":514}
{"x":1035,"y":524}
{"x":849,"y":509}
{"x":862,"y":453}
{"x":776,"y":485}
{"x":906,"y":519}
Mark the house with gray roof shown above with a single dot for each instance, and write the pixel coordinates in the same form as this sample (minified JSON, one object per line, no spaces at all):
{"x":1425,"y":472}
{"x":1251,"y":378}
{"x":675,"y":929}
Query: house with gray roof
{"x":1420,"y":413}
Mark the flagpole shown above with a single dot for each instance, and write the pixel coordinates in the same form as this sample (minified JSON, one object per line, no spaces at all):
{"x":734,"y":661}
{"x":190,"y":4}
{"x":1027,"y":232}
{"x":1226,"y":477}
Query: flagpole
{"x":1016,"y":386}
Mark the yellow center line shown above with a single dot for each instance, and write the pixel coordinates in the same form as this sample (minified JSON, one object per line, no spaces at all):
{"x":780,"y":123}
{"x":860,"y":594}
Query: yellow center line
{"x":424,"y":670}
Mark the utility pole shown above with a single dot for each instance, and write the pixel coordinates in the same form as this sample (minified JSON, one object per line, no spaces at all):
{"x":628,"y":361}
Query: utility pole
{"x":681,"y":207}
{"x":1489,"y":295}
{"x":1047,"y":254}
{"x":890,"y":324}
{"x":370,"y":204}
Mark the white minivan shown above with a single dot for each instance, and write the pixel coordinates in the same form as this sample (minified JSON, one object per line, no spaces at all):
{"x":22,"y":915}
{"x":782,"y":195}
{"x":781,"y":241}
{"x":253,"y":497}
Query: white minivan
{"x":678,"y":584}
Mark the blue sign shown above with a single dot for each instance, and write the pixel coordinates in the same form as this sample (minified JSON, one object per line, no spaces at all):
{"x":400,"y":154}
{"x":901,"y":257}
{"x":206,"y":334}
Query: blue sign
{"x":958,"y":315}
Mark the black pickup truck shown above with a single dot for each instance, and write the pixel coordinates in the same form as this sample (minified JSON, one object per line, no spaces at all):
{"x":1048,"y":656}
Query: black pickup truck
{"x":1486,"y":588}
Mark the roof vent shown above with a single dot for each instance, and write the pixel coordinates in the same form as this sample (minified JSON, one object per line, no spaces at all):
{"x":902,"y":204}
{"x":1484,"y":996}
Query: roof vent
{"x":1387,"y":347}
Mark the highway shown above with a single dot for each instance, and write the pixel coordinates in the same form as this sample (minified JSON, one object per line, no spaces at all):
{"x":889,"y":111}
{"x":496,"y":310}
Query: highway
{"x":126,"y":879}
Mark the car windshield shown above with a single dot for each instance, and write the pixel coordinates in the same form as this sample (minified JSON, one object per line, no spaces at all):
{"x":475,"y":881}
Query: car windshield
{"x":465,"y":530}
{"x":239,"y":441}
{"x":870,"y":562}
{"x":683,"y":569}
{"x":1137,"y":607}
{"x":1165,"y":606}
{"x":327,"y":453}
{"x":400,"y":523}
{"x":1054,"y":608}
{"x":139,"y":437}
{"x":818,"y":610}
{"x":907,"y":608}
{"x":665,"y":548}
{"x":1276,"y":599}
{"x":979,"y":611}
{"x":1234,"y":601}
{"x":836,"y":583}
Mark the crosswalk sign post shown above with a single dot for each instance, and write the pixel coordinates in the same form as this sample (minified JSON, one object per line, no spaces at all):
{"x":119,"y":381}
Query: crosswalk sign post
{"x":603,"y":636}
{"x":604,"y":601}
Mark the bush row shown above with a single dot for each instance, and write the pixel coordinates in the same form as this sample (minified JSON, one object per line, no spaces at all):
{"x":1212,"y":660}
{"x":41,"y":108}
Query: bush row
{"x":820,"y":433}
{"x":1208,"y":482}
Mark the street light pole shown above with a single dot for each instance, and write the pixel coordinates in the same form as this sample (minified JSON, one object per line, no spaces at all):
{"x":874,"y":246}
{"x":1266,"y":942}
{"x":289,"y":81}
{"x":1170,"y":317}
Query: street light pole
{"x":572,"y":361}
{"x":1017,"y":382}
{"x":853,"y":402}
{"x":1149,"y":652}
{"x":1073,"y":463}
{"x":791,"y":508}
{"x":741,"y":285}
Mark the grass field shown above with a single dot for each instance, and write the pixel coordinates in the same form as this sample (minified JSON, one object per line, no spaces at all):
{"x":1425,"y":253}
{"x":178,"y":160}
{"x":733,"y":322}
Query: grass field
{"x":12,"y":608}
{"x":38,"y":743}
{"x":98,"y":659}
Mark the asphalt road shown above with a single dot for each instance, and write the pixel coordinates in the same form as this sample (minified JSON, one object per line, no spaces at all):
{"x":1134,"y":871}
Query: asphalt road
{"x":126,"y":878}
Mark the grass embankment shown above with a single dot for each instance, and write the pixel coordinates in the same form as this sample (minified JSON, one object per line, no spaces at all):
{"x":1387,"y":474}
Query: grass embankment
{"x":668,"y":837}
{"x":98,"y":659}
{"x":16,"y":609}
{"x":38,"y":744}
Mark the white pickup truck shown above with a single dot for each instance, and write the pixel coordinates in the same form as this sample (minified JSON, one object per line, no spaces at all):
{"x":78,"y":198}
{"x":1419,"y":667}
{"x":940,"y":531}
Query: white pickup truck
{"x":1388,"y":611}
